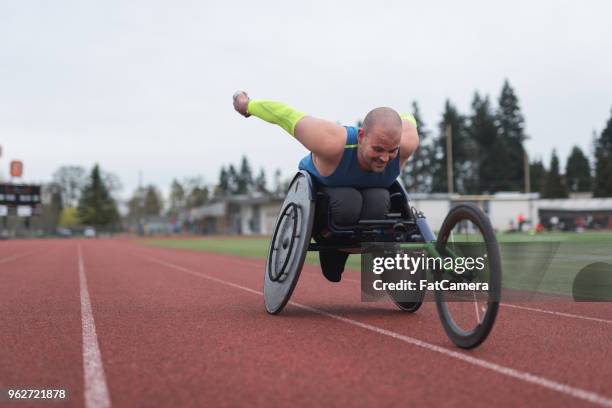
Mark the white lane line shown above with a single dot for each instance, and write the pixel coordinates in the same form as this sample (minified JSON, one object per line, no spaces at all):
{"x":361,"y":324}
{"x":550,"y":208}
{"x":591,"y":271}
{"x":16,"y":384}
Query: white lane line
{"x":96,"y":391}
{"x":13,"y":257}
{"x":500,"y":369}
{"x":574,"y":316}
{"x":532,"y":309}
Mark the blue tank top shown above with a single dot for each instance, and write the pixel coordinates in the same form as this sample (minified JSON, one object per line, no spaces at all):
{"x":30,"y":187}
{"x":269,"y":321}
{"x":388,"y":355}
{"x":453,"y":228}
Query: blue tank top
{"x":348,"y":173}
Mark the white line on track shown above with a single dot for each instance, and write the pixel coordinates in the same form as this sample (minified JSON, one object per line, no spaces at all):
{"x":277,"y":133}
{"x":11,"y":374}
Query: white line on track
{"x":96,"y":391}
{"x":13,"y":257}
{"x":531,"y":309}
{"x":500,"y":369}
{"x":562,"y":314}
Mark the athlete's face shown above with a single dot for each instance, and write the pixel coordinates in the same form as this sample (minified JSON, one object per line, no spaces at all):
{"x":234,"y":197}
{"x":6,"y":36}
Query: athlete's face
{"x":377,"y":148}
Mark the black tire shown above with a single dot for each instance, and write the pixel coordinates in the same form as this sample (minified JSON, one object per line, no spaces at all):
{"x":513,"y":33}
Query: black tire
{"x":410,"y":307}
{"x":473,"y":336}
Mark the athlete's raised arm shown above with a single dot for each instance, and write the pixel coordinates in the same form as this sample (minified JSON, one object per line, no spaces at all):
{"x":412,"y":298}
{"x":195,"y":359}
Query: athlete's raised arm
{"x":323,"y":138}
{"x":410,"y":138}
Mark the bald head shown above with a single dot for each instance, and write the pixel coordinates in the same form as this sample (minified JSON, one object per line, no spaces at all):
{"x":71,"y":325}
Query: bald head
{"x":384,"y":120}
{"x":379,"y":139}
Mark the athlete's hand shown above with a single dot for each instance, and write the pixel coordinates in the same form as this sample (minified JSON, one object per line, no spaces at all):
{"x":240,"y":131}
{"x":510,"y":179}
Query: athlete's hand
{"x":241,"y":102}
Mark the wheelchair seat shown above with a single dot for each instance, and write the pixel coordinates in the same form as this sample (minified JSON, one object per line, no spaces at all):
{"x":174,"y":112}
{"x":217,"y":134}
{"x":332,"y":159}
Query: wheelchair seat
{"x":399,"y":224}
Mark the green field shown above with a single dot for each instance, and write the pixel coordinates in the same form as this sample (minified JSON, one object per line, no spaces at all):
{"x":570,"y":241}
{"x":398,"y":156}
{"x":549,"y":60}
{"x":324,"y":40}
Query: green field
{"x":544,"y":263}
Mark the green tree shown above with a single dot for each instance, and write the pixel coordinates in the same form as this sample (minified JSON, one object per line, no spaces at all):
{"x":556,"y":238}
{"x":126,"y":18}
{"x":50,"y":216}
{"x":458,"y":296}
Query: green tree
{"x":511,"y":135}
{"x":232,"y":180}
{"x":136,"y":204}
{"x":260,"y":182}
{"x":176,"y":198}
{"x":417,"y":172}
{"x":464,"y":165}
{"x":69,"y":217}
{"x":537,"y":176}
{"x":578,"y":171}
{"x":244,"y":179}
{"x":96,"y":206}
{"x":482,"y":130}
{"x":197,"y":193}
{"x":554,"y":186}
{"x":152,"y":201}
{"x":223,"y":187}
{"x":603,"y":162}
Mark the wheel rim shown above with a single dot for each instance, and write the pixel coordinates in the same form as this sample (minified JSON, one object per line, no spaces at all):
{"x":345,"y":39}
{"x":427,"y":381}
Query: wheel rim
{"x":467,"y":312}
{"x":283,"y":242}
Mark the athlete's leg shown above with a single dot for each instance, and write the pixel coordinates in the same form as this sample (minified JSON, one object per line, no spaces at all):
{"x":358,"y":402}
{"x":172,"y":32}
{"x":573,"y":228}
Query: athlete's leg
{"x":344,"y":204}
{"x":376,"y":203}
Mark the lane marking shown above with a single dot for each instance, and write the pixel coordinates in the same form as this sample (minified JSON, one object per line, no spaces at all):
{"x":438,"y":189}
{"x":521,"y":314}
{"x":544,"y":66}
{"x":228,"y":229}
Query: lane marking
{"x":532,"y":309}
{"x":13,"y":257}
{"x":257,"y":261}
{"x":500,"y":369}
{"x":96,"y":390}
{"x":574,"y":316}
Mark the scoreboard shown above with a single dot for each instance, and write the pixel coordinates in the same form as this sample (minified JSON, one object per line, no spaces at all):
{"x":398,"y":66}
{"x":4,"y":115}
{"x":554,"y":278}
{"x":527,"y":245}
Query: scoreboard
{"x":14,"y":195}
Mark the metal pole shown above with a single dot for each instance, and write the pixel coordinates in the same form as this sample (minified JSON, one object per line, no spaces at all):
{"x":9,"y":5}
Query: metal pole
{"x":449,"y":159}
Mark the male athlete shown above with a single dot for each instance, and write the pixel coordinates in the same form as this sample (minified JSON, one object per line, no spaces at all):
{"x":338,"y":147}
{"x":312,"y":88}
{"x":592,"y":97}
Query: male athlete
{"x":355,"y":166}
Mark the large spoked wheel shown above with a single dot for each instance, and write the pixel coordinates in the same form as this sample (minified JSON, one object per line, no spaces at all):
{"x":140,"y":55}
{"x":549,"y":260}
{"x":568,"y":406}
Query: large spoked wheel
{"x":468,"y":315}
{"x":289,"y":245}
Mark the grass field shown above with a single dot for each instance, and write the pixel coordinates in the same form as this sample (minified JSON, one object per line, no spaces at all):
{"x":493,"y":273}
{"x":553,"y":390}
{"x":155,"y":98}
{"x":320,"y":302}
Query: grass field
{"x":543,"y":263}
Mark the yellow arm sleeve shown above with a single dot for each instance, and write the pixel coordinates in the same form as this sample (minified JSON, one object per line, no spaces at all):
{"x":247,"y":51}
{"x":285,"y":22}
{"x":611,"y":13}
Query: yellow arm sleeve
{"x":277,"y":113}
{"x":409,"y":117}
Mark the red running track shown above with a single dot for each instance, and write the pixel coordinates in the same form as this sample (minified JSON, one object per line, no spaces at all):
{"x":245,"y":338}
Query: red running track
{"x":183,"y":328}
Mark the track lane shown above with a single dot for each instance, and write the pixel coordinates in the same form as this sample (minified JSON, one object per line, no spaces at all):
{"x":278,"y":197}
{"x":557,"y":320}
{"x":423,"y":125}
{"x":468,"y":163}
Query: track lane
{"x":40,"y":329}
{"x":310,"y":293}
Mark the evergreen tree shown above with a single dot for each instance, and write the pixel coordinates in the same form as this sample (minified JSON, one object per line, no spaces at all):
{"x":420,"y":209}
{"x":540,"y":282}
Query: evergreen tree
{"x":245,"y":177}
{"x":260,"y":182}
{"x":417,"y":172}
{"x":136,"y":204}
{"x":96,"y":206}
{"x":177,"y":198}
{"x":198,"y":196}
{"x":554,"y":186}
{"x":482,"y":130}
{"x":152,"y":201}
{"x":464,"y":166}
{"x":603,"y":163}
{"x":537,"y":176}
{"x":197,"y":193}
{"x":232,"y":180}
{"x":511,"y":124}
{"x":577,"y":171}
{"x":223,"y":188}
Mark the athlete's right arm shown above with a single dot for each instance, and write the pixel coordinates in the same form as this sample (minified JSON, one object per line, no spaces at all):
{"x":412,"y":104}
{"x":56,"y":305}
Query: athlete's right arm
{"x":323,"y":138}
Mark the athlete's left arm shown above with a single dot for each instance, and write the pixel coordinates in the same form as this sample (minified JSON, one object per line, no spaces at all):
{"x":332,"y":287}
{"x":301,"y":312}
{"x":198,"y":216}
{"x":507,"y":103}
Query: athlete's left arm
{"x":410,"y":138}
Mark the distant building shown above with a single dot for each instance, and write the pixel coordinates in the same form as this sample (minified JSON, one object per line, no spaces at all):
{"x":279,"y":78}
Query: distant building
{"x":235,"y":215}
{"x":256,"y":214}
{"x":506,"y":208}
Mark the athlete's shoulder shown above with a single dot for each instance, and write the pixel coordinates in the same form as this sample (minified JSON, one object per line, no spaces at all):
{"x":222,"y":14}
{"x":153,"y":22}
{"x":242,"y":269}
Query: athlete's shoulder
{"x":351,"y":136}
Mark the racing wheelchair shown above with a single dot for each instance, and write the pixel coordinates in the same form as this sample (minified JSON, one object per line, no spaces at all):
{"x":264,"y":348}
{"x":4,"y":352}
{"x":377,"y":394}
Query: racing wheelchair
{"x":305,"y":224}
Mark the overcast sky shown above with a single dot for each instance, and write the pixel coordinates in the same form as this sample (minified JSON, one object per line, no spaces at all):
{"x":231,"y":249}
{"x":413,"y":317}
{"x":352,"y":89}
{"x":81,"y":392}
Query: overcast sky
{"x":146,"y":86}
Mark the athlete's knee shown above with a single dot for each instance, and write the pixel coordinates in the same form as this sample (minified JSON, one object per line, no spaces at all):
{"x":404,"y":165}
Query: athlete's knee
{"x":376,"y":202}
{"x":345,"y":204}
